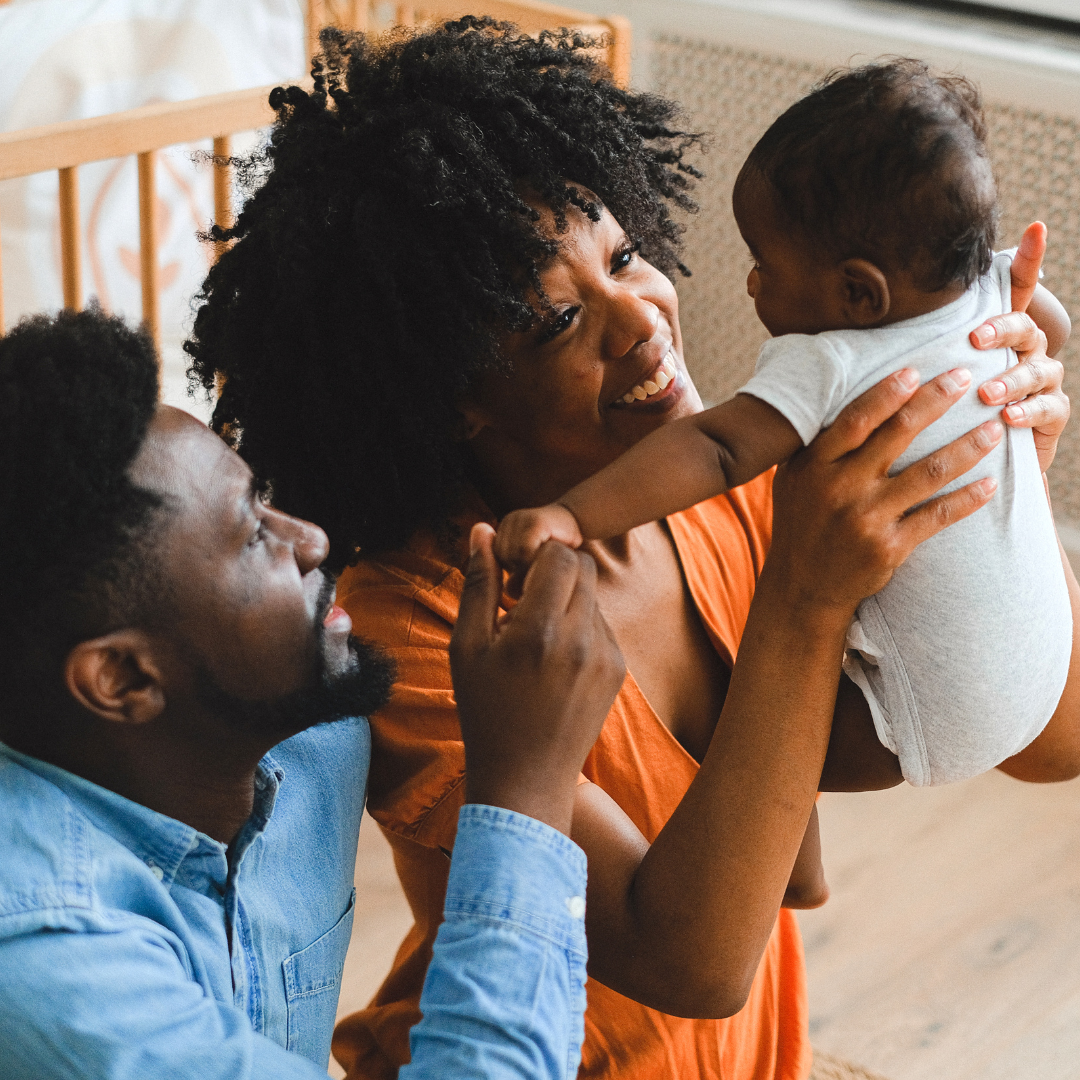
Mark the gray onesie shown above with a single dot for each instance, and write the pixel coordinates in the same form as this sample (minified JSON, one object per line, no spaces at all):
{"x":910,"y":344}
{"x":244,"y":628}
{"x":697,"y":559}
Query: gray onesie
{"x":963,"y":656}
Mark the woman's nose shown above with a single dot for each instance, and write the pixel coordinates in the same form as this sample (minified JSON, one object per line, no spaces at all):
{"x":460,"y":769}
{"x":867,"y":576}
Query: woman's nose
{"x":634,"y":319}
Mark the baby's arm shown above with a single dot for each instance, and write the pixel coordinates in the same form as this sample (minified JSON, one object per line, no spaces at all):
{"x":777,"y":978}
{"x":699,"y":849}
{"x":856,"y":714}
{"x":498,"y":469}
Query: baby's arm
{"x":671,"y":469}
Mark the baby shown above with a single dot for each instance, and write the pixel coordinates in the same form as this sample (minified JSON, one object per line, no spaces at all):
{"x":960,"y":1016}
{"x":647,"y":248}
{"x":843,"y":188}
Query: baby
{"x":869,"y":209}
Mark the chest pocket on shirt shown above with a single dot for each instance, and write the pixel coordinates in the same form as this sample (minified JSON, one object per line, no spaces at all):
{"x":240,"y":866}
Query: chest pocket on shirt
{"x":312,"y":985}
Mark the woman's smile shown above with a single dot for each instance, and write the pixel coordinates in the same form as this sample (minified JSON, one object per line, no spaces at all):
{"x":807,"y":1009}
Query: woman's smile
{"x":661,"y":385}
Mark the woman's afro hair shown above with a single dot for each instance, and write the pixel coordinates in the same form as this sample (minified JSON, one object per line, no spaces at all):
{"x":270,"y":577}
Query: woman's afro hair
{"x":77,"y":394}
{"x":387,"y":244}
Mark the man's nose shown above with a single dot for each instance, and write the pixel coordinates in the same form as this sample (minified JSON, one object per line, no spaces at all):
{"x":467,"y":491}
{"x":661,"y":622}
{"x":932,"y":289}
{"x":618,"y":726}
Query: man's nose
{"x":309,"y":543}
{"x":751,"y":283}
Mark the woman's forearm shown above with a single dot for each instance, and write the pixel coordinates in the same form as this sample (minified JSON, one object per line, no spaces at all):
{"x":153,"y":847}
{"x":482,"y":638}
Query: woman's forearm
{"x":734,"y":838}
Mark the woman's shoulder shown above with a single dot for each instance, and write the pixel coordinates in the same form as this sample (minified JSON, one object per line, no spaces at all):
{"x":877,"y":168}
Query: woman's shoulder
{"x":399,"y":598}
{"x":739,"y":520}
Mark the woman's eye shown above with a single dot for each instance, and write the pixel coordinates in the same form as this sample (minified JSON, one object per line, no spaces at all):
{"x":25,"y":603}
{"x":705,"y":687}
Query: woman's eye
{"x":563,"y":321}
{"x":624,"y":258}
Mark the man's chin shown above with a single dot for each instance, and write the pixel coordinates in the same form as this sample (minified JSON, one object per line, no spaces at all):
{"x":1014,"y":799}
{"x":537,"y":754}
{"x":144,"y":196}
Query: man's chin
{"x":359,"y":689}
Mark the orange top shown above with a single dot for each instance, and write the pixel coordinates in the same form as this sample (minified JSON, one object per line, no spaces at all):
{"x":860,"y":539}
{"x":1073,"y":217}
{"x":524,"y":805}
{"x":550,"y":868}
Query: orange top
{"x":407,"y":602}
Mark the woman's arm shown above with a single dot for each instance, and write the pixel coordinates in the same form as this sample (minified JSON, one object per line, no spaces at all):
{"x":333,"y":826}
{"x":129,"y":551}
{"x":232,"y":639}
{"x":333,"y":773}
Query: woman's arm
{"x":712,"y":882}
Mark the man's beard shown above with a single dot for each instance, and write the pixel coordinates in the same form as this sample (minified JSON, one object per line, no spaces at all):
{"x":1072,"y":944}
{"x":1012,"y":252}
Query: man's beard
{"x":361,"y":688}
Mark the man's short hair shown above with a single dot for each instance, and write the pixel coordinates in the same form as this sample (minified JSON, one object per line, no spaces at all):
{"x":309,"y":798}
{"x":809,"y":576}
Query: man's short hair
{"x":77,"y":394}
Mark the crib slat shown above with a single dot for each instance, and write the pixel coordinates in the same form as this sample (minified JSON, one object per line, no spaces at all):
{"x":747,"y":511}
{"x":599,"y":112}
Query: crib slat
{"x":70,"y":252}
{"x":222,"y":184}
{"x":148,"y":242}
{"x":1,"y":289}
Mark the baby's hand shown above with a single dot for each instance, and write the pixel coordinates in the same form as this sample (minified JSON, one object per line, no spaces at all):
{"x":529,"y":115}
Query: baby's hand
{"x":522,"y":533}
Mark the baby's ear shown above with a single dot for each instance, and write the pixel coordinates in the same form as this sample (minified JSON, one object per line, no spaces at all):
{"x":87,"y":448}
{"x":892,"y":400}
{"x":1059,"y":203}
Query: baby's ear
{"x":866,"y":300}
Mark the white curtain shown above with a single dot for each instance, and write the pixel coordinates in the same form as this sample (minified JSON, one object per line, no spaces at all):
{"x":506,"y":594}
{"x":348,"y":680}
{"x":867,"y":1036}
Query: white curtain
{"x":69,"y":59}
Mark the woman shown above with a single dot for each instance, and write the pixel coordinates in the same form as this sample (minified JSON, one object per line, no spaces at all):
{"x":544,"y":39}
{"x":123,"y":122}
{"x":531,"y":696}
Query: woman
{"x":451,"y":277}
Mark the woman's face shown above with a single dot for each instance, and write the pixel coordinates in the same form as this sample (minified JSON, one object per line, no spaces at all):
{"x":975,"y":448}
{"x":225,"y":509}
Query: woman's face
{"x":599,"y":375}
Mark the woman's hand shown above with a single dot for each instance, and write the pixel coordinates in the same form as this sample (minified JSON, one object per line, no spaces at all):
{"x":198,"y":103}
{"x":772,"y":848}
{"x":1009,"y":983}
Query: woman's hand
{"x":1030,"y":391}
{"x":842,"y":523}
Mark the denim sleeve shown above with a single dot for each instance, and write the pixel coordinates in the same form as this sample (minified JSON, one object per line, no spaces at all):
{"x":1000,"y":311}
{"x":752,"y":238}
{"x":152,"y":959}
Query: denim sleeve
{"x":504,"y":997}
{"x":120,"y":1006}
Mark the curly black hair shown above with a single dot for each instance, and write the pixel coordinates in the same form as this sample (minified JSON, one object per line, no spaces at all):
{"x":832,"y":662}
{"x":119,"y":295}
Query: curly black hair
{"x":887,"y":162}
{"x":77,"y":394}
{"x":387,"y":243}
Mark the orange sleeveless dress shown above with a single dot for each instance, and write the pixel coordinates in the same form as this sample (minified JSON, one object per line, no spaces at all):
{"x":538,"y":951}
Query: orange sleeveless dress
{"x":407,"y":602}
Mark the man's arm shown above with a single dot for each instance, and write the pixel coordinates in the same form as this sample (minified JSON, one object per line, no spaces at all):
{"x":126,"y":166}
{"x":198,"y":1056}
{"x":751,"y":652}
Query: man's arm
{"x":505,"y":993}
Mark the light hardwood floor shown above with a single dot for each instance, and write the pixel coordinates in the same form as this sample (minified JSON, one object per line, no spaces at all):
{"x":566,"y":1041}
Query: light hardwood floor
{"x":950,"y":948}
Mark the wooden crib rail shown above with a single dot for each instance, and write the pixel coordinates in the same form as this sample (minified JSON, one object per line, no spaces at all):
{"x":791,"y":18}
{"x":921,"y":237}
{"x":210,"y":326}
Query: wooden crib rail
{"x":532,"y":16}
{"x":144,"y":131}
{"x":141,"y":132}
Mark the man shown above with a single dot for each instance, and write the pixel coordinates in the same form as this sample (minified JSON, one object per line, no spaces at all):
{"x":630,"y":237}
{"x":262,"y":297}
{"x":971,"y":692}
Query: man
{"x":176,"y":896}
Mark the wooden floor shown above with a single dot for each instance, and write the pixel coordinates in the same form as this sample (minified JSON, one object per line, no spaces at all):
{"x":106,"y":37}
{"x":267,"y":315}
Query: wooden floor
{"x":950,"y":948}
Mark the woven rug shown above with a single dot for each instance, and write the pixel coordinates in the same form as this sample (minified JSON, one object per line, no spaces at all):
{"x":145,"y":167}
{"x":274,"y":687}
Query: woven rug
{"x":827,"y":1067}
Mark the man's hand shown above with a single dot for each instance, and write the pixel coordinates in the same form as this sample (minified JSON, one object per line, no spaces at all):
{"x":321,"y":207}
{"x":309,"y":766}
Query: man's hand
{"x":523,"y":532}
{"x":534,"y":686}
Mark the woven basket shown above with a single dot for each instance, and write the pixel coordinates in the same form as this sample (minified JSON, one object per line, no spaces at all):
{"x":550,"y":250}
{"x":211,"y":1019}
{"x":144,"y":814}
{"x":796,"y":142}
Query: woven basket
{"x":827,"y":1067}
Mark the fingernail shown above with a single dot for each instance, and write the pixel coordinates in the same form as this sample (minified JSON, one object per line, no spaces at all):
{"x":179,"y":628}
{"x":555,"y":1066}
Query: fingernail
{"x":907,"y":379}
{"x":985,"y":334}
{"x":1016,"y":412}
{"x":992,"y":430}
{"x":474,"y":541}
{"x":995,"y":391}
{"x":957,"y":380}
{"x":987,"y":486}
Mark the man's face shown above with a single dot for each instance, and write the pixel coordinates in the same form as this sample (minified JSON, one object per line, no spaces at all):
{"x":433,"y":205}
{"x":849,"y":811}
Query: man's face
{"x":250,"y":612}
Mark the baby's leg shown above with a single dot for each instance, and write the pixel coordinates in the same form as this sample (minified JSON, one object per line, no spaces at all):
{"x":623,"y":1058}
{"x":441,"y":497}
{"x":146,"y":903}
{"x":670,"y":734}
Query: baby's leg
{"x":856,"y":760}
{"x":807,"y":887}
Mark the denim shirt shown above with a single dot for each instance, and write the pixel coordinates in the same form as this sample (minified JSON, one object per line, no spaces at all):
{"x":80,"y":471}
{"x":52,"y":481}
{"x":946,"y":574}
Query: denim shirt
{"x":133,"y":946}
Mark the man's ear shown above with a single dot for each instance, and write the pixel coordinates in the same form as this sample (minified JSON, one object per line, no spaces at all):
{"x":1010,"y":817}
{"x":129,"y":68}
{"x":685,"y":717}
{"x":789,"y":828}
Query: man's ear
{"x":116,"y":677}
{"x":866,"y":300}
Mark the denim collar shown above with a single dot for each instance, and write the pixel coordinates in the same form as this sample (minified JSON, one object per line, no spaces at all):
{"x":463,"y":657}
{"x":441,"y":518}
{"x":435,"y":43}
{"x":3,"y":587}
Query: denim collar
{"x":161,"y":842}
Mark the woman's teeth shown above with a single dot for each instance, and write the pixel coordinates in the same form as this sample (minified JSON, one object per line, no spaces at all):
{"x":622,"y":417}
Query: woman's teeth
{"x":660,"y":381}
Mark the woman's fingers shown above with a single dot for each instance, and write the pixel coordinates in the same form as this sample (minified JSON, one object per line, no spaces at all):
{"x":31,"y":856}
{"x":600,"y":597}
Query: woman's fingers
{"x":866,"y":414}
{"x":931,"y":402}
{"x":932,"y":517}
{"x":1026,"y":265}
{"x":1012,"y":330}
{"x":923,"y":478}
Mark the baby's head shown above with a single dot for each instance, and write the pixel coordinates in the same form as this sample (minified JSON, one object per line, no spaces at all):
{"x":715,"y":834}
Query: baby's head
{"x":869,"y":201}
